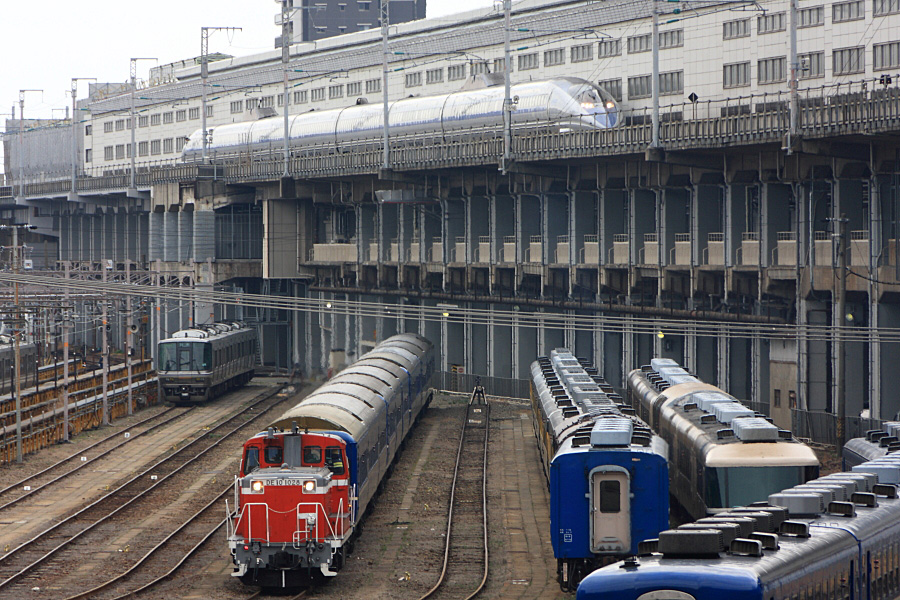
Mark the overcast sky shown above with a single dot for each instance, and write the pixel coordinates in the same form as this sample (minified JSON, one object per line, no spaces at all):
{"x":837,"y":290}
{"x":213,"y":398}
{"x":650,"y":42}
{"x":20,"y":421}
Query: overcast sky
{"x":43,"y":46}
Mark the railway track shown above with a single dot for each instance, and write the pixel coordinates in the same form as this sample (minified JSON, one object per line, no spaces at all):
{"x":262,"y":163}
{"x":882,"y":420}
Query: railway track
{"x":37,"y":482}
{"x":53,"y":554}
{"x":465,"y":568}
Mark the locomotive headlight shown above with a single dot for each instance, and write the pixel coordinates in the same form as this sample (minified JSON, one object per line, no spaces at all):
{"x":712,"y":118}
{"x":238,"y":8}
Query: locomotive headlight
{"x":309,"y":486}
{"x":256,"y":487}
{"x":587,"y":105}
{"x":610,"y":105}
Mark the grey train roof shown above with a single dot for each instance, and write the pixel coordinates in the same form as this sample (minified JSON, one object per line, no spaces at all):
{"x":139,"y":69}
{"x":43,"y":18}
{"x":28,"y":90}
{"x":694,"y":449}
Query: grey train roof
{"x":355,"y":397}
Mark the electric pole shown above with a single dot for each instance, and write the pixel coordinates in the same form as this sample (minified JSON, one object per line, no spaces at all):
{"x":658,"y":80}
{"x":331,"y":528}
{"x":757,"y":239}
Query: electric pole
{"x":104,"y":320}
{"x":18,"y":328}
{"x":22,"y":141}
{"x":840,"y":375}
{"x":507,"y":98}
{"x":654,"y":76}
{"x":65,"y":390}
{"x":385,"y":26}
{"x":204,"y":74}
{"x":285,"y":60}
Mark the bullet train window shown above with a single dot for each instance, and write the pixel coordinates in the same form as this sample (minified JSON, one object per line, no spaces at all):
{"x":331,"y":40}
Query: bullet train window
{"x":609,"y":497}
{"x":334,"y":460}
{"x":251,"y":460}
{"x":273,"y":455}
{"x":727,"y":487}
{"x":312,"y":455}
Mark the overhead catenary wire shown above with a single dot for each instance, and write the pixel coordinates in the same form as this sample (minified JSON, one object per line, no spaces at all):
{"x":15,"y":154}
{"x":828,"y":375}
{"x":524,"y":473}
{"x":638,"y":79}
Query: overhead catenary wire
{"x":453,"y":314}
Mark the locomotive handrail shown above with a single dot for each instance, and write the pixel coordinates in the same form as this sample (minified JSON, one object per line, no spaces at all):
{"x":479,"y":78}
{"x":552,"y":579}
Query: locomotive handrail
{"x":318,"y":510}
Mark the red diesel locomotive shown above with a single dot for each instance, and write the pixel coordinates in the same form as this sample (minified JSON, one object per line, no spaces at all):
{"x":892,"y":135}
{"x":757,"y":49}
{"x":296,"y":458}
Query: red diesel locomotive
{"x":307,"y":480}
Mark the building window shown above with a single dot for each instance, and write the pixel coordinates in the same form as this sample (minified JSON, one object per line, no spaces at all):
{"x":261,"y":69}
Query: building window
{"x":209,"y":110}
{"x":363,"y":4}
{"x":279,"y":99}
{"x":168,"y":146}
{"x":194,"y":113}
{"x":671,"y":39}
{"x":143,"y":121}
{"x":434,"y":76}
{"x":88,"y":130}
{"x":771,"y":70}
{"x":250,"y":104}
{"x":301,"y":97}
{"x":237,"y":106}
{"x":582,"y":53}
{"x":267,"y":102}
{"x":120,"y":151}
{"x":671,"y":83}
{"x":335,"y":91}
{"x":181,"y":116}
{"x":886,"y":7}
{"x":776,"y":398}
{"x":318,"y":94}
{"x":168,"y":118}
{"x":770,"y":23}
{"x":608,"y":48}
{"x":107,"y":153}
{"x":155,"y":147}
{"x":120,"y":124}
{"x":108,"y":127}
{"x":736,"y":75}
{"x":811,"y":17}
{"x":373,"y":86}
{"x":127,"y":150}
{"x":480,"y":67}
{"x":179,"y":143}
{"x":155,"y":120}
{"x":455,"y":72}
{"x":848,"y":61}
{"x":364,"y":26}
{"x":886,"y":56}
{"x":812,"y":65}
{"x":528,"y":61}
{"x":848,"y":11}
{"x":143,"y":148}
{"x":500,"y":64}
{"x":639,"y":43}
{"x":354,"y":89}
{"x":613,"y":86}
{"x":639,"y":87}
{"x":732,"y":30}
{"x":554,"y":57}
{"x":413,"y":79}
{"x":88,"y":155}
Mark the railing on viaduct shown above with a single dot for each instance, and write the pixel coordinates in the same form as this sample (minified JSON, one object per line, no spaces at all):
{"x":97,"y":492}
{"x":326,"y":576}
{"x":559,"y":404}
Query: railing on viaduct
{"x":857,"y":108}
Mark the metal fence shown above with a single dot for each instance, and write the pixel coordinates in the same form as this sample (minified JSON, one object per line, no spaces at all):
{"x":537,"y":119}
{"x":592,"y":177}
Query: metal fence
{"x":493,"y":386}
{"x":821,"y":427}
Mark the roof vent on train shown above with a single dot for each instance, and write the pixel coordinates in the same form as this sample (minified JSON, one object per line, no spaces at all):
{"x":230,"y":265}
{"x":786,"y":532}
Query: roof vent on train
{"x":809,"y":503}
{"x":730,"y":531}
{"x":698,"y":542}
{"x":611,"y":430}
{"x":886,"y":471}
{"x":753,"y":429}
{"x":658,"y":363}
{"x":726,"y":412}
{"x":707,"y":399}
{"x":746,"y":524}
{"x":864,"y":481}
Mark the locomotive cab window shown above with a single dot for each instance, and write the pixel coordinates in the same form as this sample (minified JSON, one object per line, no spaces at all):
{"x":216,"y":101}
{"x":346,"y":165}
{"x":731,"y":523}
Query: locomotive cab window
{"x":274,"y":455}
{"x":334,"y":460}
{"x":251,"y":459}
{"x":312,"y":455}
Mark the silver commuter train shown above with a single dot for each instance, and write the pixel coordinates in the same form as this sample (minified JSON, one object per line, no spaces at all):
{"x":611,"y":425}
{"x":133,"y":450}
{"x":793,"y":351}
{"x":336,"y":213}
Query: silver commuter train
{"x":721,"y":453}
{"x":565,"y":102}
{"x":205,"y":361}
{"x":876,"y":443}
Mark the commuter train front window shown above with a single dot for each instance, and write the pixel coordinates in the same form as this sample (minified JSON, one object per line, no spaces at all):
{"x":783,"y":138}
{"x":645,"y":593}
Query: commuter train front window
{"x":184,"y":356}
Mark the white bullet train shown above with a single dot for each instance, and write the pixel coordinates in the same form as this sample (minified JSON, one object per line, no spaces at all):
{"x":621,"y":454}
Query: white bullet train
{"x":561,"y":103}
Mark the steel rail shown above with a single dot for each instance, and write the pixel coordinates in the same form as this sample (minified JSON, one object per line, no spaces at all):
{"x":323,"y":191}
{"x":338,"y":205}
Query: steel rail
{"x":90,"y":461}
{"x":262,"y":398}
{"x":447,"y":544}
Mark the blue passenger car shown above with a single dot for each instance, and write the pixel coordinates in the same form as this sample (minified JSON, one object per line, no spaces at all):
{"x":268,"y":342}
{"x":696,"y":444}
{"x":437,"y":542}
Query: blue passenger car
{"x":835,"y":537}
{"x":607,"y":472}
